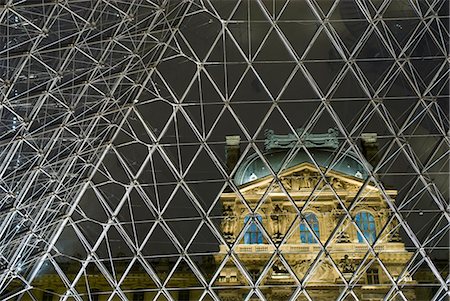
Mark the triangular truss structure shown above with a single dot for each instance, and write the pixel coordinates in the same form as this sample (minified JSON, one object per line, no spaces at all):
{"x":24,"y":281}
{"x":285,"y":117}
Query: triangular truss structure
{"x":113,"y":117}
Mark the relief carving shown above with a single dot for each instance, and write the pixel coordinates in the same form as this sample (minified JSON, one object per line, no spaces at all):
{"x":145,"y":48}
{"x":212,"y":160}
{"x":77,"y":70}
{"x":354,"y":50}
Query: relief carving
{"x":324,"y":271}
{"x":287,"y":183}
{"x":301,"y":267}
{"x":304,"y":179}
{"x":307,"y":181}
{"x":336,"y":183}
{"x":279,"y":268}
{"x":350,"y":187}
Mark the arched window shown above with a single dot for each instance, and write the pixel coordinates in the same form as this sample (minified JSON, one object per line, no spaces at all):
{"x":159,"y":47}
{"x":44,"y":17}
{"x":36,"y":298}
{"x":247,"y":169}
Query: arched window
{"x":253,"y":234}
{"x":305,"y":235}
{"x":366,"y":223}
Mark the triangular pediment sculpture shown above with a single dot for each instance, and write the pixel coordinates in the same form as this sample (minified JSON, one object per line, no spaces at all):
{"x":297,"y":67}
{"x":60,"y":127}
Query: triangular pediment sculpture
{"x":306,"y":177}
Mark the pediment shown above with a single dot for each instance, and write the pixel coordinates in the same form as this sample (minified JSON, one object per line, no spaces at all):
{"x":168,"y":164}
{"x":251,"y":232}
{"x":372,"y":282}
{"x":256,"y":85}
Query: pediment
{"x":304,"y":177}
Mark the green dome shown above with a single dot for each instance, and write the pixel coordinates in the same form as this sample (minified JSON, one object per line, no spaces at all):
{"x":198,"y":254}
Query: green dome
{"x":254,"y":168}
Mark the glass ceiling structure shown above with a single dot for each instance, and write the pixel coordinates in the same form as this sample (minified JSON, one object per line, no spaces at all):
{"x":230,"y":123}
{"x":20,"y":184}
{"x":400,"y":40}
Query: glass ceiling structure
{"x":113,"y":117}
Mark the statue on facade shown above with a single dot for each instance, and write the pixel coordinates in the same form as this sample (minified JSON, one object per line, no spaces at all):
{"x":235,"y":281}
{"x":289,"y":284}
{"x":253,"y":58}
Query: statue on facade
{"x":286,"y":183}
{"x":306,"y":180}
{"x":279,"y":268}
{"x":336,"y":184}
{"x":394,"y":232}
{"x":278,"y":223}
{"x":228,"y":223}
{"x":346,"y":265}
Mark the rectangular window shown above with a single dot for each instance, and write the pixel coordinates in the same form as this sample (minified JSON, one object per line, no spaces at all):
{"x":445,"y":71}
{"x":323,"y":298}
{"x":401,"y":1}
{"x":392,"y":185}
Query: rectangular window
{"x":138,"y":296}
{"x":372,"y":276}
{"x":305,"y":235}
{"x":253,"y":234}
{"x":183,"y":295}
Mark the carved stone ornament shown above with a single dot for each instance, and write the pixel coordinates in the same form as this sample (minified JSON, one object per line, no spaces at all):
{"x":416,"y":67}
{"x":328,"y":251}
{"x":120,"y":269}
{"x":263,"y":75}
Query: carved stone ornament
{"x":324,"y":271}
{"x":336,"y":183}
{"x":287,"y":183}
{"x":274,"y":141}
{"x":301,"y":267}
{"x":395,"y":232}
{"x":228,"y":223}
{"x":279,"y":268}
{"x":346,"y":265}
{"x":304,"y":179}
{"x":279,"y":222}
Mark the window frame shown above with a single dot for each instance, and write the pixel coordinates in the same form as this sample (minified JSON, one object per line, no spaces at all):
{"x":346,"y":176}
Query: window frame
{"x":366,"y":223}
{"x":253,"y":235}
{"x":372,"y":276}
{"x":306,"y":236}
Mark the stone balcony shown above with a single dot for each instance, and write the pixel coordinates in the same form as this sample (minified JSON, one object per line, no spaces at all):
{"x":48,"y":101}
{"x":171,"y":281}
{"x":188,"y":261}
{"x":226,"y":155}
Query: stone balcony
{"x":348,"y":248}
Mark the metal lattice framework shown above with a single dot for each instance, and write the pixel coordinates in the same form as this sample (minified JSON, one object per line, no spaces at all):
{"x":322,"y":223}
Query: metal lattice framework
{"x":113,"y":116}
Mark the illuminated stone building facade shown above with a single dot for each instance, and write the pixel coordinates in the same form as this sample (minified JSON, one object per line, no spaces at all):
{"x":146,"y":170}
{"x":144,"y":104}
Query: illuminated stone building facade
{"x":296,"y":214}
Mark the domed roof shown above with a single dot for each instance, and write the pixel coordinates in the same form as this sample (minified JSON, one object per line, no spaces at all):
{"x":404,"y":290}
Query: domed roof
{"x":254,"y":168}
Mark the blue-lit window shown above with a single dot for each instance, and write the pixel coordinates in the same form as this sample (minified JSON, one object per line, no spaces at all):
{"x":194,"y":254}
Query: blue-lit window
{"x":305,"y":235}
{"x":253,"y":234}
{"x":366,"y":223}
